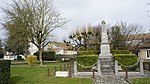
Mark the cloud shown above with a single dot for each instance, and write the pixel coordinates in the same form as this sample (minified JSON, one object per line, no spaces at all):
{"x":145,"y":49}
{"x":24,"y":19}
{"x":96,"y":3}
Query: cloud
{"x":84,"y":12}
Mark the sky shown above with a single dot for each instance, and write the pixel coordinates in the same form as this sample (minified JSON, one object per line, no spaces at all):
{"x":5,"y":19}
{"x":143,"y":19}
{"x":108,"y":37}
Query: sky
{"x":84,"y":12}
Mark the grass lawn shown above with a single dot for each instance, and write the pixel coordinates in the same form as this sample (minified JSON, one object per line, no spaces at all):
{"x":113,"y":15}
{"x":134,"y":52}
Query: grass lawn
{"x":140,"y":81}
{"x":24,"y":74}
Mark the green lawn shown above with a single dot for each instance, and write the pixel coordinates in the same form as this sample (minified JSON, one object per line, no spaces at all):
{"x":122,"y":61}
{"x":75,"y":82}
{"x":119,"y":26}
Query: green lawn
{"x":24,"y":74}
{"x":140,"y":81}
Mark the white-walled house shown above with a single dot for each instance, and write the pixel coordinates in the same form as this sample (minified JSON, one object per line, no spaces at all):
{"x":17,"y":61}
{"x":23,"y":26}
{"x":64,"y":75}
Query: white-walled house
{"x":140,"y":45}
{"x":144,"y":52}
{"x":61,"y":48}
{"x":32,"y":49}
{"x":144,"y":49}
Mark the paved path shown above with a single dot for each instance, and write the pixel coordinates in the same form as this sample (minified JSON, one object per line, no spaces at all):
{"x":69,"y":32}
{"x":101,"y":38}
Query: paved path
{"x":110,"y":79}
{"x":103,"y":79}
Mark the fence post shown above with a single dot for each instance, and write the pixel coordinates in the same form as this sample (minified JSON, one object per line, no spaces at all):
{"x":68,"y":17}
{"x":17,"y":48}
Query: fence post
{"x":55,"y":71}
{"x":93,"y":71}
{"x":126,"y":71}
{"x":141,"y":67}
{"x":64,"y":67}
{"x":48,"y":74}
{"x":70,"y":64}
{"x":116,"y":67}
{"x":75,"y":68}
{"x":69,"y":72}
{"x":60,"y":67}
{"x":68,"y":67}
{"x":99,"y":67}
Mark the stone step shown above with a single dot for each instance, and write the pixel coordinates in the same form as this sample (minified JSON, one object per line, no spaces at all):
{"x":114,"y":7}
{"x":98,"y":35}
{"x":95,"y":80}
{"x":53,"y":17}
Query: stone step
{"x":108,"y":73}
{"x":107,"y":70}
{"x":105,"y":61}
{"x":107,"y":67}
{"x":109,"y":63}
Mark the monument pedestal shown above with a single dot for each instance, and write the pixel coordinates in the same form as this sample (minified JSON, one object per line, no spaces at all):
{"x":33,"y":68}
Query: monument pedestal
{"x":105,"y":58}
{"x":107,"y":66}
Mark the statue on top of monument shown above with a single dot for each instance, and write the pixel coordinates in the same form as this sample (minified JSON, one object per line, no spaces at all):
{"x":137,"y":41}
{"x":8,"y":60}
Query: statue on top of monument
{"x":103,"y":23}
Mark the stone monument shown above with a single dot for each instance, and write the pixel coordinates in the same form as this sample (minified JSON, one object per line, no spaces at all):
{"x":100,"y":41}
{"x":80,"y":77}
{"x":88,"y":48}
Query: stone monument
{"x":106,"y":66}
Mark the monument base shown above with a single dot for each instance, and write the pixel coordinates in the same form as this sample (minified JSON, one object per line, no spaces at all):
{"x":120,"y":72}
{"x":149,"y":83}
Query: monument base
{"x":107,"y":65}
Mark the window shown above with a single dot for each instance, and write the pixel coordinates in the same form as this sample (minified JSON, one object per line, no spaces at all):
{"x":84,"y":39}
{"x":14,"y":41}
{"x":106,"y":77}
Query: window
{"x":148,"y":54}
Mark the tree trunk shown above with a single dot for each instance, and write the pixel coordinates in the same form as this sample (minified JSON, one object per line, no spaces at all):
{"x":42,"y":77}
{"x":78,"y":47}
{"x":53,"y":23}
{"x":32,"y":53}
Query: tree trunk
{"x":40,"y":57}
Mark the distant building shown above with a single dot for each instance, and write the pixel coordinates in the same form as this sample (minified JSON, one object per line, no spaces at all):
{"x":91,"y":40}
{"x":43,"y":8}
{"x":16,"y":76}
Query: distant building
{"x":61,"y":48}
{"x":140,"y":45}
{"x":144,"y":48}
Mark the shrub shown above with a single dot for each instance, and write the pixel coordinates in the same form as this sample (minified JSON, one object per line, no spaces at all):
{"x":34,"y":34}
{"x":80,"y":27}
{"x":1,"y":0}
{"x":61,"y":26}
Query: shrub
{"x":4,"y":71}
{"x":31,"y":60}
{"x":127,"y":60}
{"x":86,"y":61}
{"x":119,"y":52}
{"x":94,"y":52}
{"x":88,"y":52}
{"x":50,"y":55}
{"x":19,"y":58}
{"x":1,"y":54}
{"x":46,"y":55}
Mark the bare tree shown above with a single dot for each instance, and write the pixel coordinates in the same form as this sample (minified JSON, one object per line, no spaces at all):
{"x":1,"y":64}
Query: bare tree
{"x":125,"y":36}
{"x":39,"y":17}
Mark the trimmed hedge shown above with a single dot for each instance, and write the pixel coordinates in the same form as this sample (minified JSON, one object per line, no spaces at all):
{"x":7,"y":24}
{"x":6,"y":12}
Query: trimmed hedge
{"x":86,"y":61}
{"x":126,"y":59}
{"x":31,"y":60}
{"x":88,"y":52}
{"x":4,"y":71}
{"x":46,"y":55}
{"x":94,"y":52}
{"x":113,"y":52}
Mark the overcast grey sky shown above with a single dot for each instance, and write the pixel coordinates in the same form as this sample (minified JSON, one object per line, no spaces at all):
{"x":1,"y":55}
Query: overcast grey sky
{"x":84,"y":12}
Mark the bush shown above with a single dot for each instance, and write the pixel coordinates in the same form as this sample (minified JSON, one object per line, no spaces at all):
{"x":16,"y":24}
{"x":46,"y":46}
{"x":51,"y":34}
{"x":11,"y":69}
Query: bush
{"x":126,"y":60}
{"x":1,"y":54}
{"x":119,"y":52}
{"x":4,"y":71}
{"x":19,"y":58}
{"x":88,"y":52}
{"x":50,"y":55}
{"x":31,"y":60}
{"x":46,"y":55}
{"x":86,"y":61}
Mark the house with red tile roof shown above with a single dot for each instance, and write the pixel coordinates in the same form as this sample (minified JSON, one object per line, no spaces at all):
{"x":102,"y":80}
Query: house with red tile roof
{"x":61,"y":48}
